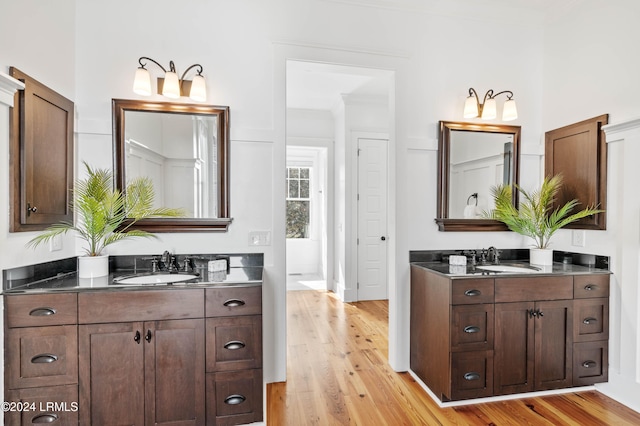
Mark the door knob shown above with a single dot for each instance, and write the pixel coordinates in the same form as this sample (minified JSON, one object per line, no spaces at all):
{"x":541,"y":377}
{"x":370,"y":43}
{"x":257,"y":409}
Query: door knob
{"x":383,"y":238}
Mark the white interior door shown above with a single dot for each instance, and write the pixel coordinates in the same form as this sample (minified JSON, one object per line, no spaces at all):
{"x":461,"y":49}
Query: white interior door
{"x":372,"y":219}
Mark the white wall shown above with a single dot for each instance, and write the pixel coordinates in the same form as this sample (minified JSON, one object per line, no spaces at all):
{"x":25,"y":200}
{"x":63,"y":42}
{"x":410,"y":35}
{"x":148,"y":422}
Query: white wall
{"x":590,"y":69}
{"x":437,"y":50}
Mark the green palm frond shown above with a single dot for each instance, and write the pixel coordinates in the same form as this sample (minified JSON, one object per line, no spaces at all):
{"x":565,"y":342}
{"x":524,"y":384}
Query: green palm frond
{"x":535,"y":217}
{"x":105,"y":215}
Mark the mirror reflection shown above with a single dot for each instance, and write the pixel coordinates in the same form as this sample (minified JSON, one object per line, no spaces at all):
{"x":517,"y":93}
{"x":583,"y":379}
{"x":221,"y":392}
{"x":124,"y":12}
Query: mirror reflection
{"x":184,"y":150}
{"x":178,"y":152}
{"x":477,"y":162}
{"x":471,"y":159}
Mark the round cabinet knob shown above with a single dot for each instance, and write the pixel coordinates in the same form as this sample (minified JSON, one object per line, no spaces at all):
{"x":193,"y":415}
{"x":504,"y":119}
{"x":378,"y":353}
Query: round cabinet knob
{"x":383,"y":238}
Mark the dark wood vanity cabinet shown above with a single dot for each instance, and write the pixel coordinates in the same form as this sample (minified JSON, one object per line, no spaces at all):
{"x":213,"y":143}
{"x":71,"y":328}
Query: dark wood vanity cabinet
{"x":41,"y":359}
{"x":150,"y":370}
{"x":234,"y":355}
{"x":161,"y":357}
{"x":478,"y":337}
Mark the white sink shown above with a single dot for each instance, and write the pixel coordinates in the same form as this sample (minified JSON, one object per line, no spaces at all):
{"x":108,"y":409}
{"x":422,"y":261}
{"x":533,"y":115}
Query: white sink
{"x":155,"y":279}
{"x":508,"y":268}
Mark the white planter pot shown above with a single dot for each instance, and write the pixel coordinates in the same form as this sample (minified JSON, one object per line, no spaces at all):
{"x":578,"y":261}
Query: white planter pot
{"x":93,"y":266}
{"x":542,"y":257}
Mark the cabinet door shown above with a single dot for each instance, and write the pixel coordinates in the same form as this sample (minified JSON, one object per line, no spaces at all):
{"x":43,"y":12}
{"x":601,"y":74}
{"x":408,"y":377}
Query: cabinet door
{"x":554,"y":344}
{"x":42,"y":156}
{"x":514,"y":348}
{"x":174,"y":372}
{"x":111,"y":369}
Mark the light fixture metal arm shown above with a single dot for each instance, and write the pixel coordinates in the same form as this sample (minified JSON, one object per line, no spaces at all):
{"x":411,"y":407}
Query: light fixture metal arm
{"x":509,"y":94}
{"x":200,"y":69}
{"x":172,"y":67}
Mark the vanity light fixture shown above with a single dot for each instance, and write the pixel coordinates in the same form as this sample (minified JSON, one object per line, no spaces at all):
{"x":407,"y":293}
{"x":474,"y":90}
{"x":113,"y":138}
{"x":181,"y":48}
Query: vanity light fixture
{"x":170,"y":86}
{"x":487,"y":109}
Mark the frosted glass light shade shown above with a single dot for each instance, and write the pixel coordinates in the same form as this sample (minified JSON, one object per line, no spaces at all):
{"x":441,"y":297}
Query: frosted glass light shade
{"x":509,"y":111}
{"x":489,"y":109}
{"x":171,"y":88}
{"x":198,"y":89}
{"x":470,"y":107}
{"x":142,"y":82}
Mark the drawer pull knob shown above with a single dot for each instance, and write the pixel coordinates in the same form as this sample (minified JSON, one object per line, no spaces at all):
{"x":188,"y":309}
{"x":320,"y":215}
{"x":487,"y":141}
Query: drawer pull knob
{"x":233,"y":303}
{"x":44,"y":359}
{"x":234,"y":344}
{"x":471,"y":329}
{"x":472,"y":376}
{"x":42,"y":312}
{"x":589,"y":320}
{"x":589,"y":364}
{"x":44,"y":418}
{"x":472,"y":293}
{"x":590,"y":287}
{"x":234,"y":399}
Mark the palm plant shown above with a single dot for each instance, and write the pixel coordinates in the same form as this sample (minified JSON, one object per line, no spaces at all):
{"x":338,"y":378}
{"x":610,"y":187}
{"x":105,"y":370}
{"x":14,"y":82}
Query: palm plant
{"x":105,"y":214}
{"x":535,"y":217}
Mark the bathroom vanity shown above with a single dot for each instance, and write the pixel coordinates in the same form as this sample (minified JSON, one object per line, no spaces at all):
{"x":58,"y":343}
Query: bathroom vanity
{"x":136,"y":354}
{"x":477,"y":334}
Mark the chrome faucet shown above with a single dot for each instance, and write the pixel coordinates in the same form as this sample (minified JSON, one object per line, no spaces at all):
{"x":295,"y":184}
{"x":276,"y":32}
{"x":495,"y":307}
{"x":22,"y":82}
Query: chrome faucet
{"x":494,"y":253}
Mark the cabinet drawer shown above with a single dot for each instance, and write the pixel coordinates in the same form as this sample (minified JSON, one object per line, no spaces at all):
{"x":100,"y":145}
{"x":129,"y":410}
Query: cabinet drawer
{"x":231,"y":301}
{"x":233,"y":343}
{"x":472,"y":328}
{"x":146,"y":305}
{"x":590,"y":320}
{"x":234,"y":397}
{"x":55,"y":404}
{"x":586,"y":286}
{"x":534,"y":288}
{"x":465,"y":292}
{"x":41,"y":310}
{"x":590,"y":363}
{"x":472,"y":374}
{"x":42,"y":356}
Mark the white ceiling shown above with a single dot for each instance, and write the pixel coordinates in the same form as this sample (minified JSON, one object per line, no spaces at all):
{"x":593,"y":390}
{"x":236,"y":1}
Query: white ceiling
{"x":319,"y":86}
{"x":312,"y":85}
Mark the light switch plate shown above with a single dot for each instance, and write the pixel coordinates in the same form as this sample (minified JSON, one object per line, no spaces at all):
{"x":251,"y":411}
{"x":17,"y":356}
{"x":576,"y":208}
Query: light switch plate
{"x":578,"y":237}
{"x":260,"y":238}
{"x":55,"y":243}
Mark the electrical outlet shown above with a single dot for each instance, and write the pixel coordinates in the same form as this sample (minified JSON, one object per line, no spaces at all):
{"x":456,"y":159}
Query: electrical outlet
{"x":55,"y":243}
{"x":578,"y":237}
{"x":260,"y":238}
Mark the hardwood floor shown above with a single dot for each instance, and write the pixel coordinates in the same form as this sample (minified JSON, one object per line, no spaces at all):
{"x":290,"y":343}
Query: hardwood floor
{"x":338,"y":374}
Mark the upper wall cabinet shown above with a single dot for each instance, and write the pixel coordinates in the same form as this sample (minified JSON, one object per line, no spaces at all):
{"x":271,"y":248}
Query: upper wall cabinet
{"x":579,"y":153}
{"x":41,"y":156}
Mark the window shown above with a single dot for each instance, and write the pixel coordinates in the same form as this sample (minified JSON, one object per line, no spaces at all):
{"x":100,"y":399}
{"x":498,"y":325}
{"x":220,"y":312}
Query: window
{"x":298,"y":202}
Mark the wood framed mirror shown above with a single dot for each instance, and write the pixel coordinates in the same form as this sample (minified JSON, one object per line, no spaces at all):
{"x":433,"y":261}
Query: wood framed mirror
{"x":184,"y":150}
{"x":471,"y":159}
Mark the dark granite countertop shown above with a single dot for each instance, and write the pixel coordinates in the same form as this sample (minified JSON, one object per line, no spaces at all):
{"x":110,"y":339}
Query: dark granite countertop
{"x":70,"y":282}
{"x":467,"y":271}
{"x":57,"y":276}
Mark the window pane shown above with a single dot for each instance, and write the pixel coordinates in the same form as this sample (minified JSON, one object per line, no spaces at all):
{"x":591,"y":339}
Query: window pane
{"x":297,"y":219}
{"x":304,"y":189}
{"x":294,"y":172}
{"x":304,"y":173}
{"x":293,"y":189}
